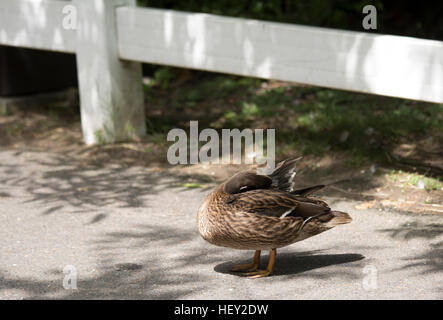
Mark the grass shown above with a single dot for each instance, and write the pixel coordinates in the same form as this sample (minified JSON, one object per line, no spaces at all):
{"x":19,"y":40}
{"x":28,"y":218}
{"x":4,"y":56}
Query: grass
{"x":416,"y":180}
{"x":193,"y":185}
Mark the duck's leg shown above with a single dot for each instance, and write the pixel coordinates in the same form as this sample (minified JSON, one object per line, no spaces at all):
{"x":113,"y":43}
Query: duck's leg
{"x":269,"y":269}
{"x":249,"y":266}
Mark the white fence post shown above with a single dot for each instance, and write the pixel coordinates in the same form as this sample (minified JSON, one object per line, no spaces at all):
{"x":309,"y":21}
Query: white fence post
{"x":111,"y":92}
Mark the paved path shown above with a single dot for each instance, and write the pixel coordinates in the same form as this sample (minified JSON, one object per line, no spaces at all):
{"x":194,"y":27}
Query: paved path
{"x":130,"y":233}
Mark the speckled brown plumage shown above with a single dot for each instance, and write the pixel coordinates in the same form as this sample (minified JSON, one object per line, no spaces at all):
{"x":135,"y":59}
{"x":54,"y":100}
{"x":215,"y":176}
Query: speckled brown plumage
{"x":258,"y":212}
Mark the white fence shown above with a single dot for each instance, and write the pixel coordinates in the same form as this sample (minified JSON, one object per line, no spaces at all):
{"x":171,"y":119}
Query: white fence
{"x":113,"y":36}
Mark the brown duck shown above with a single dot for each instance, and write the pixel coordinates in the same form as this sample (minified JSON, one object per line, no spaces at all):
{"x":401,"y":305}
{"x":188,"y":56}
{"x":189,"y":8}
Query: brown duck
{"x":263,"y":212}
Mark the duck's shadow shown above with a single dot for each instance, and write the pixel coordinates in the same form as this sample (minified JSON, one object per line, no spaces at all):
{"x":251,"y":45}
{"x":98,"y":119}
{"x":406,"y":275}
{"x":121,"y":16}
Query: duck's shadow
{"x":294,"y":263}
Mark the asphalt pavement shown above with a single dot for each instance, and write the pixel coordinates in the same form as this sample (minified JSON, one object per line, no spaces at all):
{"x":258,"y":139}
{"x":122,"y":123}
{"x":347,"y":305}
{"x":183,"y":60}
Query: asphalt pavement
{"x":73,"y":231}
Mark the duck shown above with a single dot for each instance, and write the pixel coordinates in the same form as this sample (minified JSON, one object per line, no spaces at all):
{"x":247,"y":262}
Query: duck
{"x":264,"y":212}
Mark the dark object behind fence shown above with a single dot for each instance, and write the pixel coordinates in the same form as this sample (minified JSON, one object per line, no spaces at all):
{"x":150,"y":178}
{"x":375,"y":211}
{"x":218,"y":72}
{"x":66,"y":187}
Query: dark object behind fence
{"x":28,"y":71}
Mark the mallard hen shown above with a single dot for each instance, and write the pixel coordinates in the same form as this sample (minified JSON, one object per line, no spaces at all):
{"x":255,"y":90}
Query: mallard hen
{"x":263,"y":212}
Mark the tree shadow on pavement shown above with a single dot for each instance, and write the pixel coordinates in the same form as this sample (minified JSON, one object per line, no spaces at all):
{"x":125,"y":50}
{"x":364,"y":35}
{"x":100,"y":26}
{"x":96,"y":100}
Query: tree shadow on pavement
{"x":416,"y":229}
{"x":429,"y":261}
{"x":58,"y":181}
{"x":151,"y":272}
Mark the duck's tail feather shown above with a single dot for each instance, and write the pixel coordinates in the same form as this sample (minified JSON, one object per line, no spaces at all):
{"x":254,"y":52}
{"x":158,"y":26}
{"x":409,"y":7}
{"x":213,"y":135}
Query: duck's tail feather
{"x":284,"y":173}
{"x":338,"y":218}
{"x":329,"y":219}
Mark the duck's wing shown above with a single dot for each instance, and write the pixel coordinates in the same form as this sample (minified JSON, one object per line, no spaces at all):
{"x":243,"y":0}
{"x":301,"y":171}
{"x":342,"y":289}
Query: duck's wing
{"x":277,"y":203}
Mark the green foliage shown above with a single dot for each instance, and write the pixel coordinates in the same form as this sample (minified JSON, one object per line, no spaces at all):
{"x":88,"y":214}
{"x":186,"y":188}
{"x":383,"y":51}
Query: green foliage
{"x":160,"y":125}
{"x":163,"y":77}
{"x":249,"y":109}
{"x":410,"y":18}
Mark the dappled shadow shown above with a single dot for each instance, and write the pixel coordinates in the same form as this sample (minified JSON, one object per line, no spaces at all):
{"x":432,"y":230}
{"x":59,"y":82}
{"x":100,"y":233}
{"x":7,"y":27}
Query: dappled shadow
{"x":57,"y":184}
{"x":430,"y":260}
{"x":303,"y":263}
{"x":413,"y":230}
{"x":160,"y":255}
{"x":145,"y":261}
{"x":157,"y":275}
{"x":57,"y":180}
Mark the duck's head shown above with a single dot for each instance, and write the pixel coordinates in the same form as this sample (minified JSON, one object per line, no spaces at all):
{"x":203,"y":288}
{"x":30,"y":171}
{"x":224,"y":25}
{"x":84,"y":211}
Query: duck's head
{"x":244,"y":181}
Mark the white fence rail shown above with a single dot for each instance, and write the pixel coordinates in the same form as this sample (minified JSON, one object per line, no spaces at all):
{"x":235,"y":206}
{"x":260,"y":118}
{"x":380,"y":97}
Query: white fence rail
{"x":111,"y":98}
{"x":388,"y":65}
{"x":35,"y":24}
